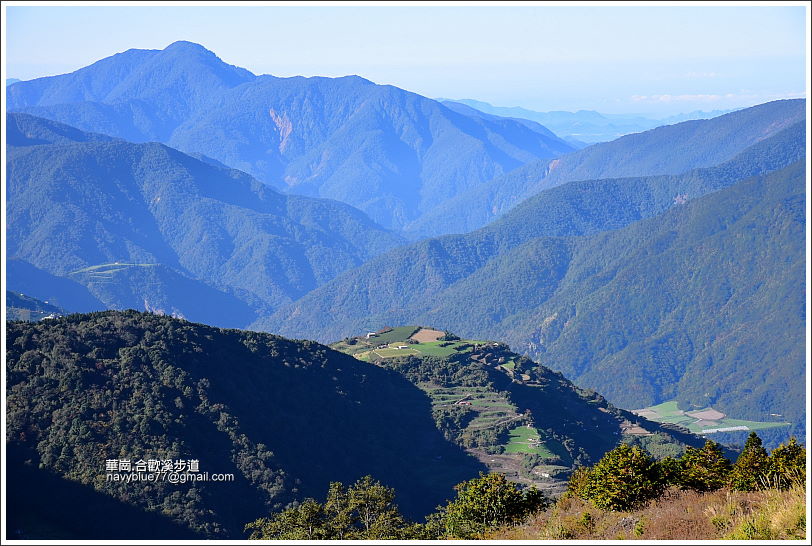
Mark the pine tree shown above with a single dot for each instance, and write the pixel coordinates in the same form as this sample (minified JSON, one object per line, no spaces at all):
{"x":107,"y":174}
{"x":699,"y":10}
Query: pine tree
{"x":375,"y":511}
{"x":624,"y":478}
{"x":749,"y":472}
{"x":670,"y":471}
{"x":577,"y":482}
{"x":366,"y":510}
{"x":704,"y":469}
{"x":787,"y":465}
{"x":487,"y":502}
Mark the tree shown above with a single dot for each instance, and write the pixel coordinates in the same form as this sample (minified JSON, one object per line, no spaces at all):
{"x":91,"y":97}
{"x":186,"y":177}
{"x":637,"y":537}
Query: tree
{"x":486,"y":502}
{"x":366,"y":510}
{"x":307,"y":521}
{"x":787,"y":465}
{"x":704,"y":469}
{"x":373,"y":510}
{"x":749,"y":472}
{"x":577,"y":482}
{"x":626,"y":477}
{"x":339,"y":515}
{"x":670,"y":471}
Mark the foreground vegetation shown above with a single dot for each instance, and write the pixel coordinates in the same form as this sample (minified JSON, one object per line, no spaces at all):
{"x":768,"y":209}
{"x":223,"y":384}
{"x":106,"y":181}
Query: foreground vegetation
{"x":676,"y":515}
{"x":367,"y":511}
{"x":286,"y":418}
{"x":627,"y":494}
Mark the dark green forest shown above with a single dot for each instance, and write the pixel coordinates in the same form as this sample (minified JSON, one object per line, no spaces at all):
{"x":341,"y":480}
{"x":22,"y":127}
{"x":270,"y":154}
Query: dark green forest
{"x":285,"y":417}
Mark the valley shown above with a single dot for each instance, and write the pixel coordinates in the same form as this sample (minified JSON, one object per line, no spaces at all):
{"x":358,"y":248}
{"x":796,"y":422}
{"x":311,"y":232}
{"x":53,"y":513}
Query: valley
{"x":385,"y":316}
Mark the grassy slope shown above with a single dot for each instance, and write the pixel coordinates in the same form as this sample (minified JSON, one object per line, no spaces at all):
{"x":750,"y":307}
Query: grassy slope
{"x":678,"y":515}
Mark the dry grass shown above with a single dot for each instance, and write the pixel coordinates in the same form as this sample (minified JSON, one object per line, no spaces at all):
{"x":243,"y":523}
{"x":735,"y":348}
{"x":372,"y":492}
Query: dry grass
{"x":677,"y":515}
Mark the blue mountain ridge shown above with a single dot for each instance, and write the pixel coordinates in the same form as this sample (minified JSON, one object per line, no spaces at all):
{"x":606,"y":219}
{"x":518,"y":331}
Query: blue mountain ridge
{"x":145,"y":226}
{"x":391,"y":153}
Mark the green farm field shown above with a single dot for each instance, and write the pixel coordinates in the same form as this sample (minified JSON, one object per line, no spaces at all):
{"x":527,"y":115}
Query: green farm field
{"x":669,"y":412}
{"x":520,"y":442}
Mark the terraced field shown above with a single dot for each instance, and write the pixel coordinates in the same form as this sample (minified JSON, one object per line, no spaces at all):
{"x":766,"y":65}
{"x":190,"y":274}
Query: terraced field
{"x":105,"y":272}
{"x":385,"y":344}
{"x":526,"y":439}
{"x":515,"y":416}
{"x":702,"y":421}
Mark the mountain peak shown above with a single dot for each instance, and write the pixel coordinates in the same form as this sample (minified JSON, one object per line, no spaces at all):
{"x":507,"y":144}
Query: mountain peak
{"x":184,"y":45}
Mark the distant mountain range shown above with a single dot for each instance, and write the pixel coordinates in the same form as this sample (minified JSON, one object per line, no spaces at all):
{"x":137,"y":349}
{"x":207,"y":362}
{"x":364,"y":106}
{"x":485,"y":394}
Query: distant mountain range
{"x":393,"y":154}
{"x":671,"y":149}
{"x":565,"y":276}
{"x":585,"y":126}
{"x":96,"y":222}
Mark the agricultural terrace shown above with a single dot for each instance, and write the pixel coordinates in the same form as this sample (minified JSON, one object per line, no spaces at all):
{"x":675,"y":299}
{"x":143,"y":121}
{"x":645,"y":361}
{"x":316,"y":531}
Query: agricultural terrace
{"x":105,"y":272}
{"x":483,"y":420}
{"x":403,"y":341}
{"x":427,"y":335}
{"x":703,"y":421}
{"x":527,"y":439}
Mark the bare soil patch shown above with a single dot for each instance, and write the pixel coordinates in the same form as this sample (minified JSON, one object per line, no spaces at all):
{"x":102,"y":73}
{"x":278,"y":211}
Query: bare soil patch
{"x":427,"y":335}
{"x":707,"y":415}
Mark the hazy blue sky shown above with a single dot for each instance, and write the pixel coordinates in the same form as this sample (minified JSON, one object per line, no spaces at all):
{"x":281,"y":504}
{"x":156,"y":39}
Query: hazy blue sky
{"x":650,"y":59}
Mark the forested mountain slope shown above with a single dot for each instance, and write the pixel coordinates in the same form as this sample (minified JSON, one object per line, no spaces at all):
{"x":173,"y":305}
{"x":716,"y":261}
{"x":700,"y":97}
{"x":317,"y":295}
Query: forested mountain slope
{"x":393,"y":154}
{"x":399,"y":285}
{"x":284,"y":417}
{"x":148,"y":227}
{"x":643,"y":313}
{"x":671,"y":149}
{"x":704,"y":304}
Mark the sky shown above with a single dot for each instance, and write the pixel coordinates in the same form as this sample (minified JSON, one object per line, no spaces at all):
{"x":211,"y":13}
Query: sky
{"x":649,"y":59}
